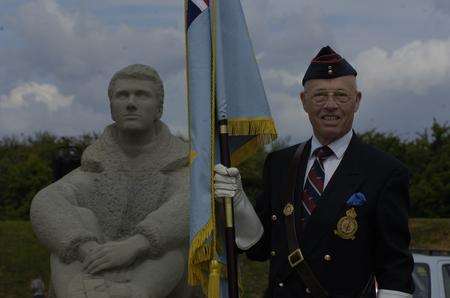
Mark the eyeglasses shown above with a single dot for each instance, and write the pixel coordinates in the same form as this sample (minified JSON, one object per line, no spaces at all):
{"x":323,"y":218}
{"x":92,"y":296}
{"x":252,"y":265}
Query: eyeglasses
{"x":339,"y":97}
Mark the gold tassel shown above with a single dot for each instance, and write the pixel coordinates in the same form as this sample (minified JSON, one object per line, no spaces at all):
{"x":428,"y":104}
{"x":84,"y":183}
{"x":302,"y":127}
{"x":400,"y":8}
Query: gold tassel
{"x":214,"y":279}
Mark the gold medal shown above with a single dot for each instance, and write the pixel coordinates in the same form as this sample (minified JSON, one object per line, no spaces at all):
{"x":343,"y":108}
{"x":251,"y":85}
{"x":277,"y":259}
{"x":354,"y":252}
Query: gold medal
{"x":347,"y":225}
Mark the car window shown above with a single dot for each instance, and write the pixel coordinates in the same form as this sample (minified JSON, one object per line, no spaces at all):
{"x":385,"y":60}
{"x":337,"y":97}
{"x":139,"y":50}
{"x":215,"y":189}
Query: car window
{"x":421,"y":278}
{"x":446,"y":275}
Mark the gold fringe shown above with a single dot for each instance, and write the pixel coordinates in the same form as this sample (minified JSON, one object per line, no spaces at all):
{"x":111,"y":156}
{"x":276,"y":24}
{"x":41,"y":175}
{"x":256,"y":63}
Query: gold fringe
{"x":263,"y":128}
{"x":215,"y":269}
{"x":253,"y":126}
{"x":200,"y":252}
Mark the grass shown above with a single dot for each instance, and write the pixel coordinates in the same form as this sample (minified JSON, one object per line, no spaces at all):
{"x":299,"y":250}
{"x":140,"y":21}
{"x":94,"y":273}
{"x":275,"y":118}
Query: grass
{"x":22,"y":258}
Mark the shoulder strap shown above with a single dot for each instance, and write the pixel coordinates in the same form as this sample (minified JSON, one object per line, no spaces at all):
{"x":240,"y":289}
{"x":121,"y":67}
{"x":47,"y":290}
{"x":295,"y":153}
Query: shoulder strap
{"x":295,"y":256}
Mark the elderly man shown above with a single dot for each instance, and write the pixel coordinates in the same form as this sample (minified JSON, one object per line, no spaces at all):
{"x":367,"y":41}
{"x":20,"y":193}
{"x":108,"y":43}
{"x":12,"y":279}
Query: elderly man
{"x":333,"y":214}
{"x":118,"y":225}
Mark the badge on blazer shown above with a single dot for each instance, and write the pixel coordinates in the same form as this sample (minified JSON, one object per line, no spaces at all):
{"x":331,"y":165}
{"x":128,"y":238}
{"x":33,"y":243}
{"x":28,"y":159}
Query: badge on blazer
{"x":347,"y":225}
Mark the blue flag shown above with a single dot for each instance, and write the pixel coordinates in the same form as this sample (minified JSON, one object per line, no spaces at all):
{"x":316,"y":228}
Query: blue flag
{"x":223,"y":83}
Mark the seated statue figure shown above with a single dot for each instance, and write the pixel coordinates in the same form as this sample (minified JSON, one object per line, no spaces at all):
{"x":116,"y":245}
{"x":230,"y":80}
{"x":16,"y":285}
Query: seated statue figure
{"x":118,"y":226}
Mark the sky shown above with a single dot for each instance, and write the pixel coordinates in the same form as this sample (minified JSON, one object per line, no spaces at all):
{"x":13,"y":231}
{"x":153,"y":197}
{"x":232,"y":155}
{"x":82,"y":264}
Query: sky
{"x":57,"y":56}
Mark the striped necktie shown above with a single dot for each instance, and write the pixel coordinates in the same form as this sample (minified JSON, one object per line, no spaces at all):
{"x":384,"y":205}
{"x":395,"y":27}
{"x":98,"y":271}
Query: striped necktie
{"x":315,"y":180}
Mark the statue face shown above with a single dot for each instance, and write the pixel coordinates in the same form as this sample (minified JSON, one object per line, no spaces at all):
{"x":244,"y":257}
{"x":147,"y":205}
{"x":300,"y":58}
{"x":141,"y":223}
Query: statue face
{"x":135,"y":105}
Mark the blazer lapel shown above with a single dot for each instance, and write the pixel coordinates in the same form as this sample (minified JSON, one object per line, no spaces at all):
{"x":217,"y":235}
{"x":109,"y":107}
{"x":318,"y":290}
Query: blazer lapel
{"x":342,"y":184}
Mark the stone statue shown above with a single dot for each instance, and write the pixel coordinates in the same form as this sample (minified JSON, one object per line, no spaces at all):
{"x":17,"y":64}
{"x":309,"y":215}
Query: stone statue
{"x":118,"y":225}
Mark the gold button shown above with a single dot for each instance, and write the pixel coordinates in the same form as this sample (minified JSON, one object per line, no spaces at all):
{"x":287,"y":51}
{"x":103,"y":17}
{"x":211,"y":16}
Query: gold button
{"x":327,"y":258}
{"x":288,"y":209}
{"x":308,"y":291}
{"x":274,"y":217}
{"x":273,"y":253}
{"x":281,"y":284}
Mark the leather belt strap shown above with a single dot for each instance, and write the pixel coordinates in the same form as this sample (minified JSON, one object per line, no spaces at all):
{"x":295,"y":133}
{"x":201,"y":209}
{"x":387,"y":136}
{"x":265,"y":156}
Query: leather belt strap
{"x":295,"y":256}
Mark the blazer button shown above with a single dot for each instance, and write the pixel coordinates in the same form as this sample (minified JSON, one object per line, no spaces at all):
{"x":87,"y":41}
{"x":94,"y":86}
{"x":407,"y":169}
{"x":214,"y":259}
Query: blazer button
{"x":273,"y":253}
{"x":307,"y":290}
{"x":327,"y":258}
{"x":281,"y":284}
{"x":274,"y":217}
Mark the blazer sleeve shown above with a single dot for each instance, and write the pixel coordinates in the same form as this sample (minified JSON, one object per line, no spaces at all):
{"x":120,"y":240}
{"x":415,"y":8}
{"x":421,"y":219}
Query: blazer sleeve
{"x":393,"y":260}
{"x":261,"y":250}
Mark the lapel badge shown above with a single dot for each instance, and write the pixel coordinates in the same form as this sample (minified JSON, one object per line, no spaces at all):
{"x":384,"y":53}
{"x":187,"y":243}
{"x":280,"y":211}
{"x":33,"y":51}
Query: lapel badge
{"x":347,"y":225}
{"x":288,"y":209}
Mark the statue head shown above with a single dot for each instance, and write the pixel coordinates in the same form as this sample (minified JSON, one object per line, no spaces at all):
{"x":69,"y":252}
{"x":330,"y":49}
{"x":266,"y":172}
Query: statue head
{"x":136,"y":96}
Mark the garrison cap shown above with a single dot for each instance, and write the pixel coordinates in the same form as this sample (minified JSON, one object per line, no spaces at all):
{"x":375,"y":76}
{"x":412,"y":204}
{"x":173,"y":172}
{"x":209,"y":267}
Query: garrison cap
{"x":328,"y":65}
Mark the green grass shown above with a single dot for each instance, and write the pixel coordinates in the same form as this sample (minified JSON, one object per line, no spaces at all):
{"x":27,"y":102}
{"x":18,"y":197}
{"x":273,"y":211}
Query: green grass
{"x":22,"y":258}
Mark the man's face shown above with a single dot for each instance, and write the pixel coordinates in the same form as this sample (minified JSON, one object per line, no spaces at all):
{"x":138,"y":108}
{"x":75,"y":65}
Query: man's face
{"x":135,"y":105}
{"x":331,"y":105}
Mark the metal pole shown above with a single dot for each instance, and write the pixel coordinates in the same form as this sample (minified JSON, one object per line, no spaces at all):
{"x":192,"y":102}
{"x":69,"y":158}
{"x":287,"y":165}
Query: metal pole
{"x":233,"y":288}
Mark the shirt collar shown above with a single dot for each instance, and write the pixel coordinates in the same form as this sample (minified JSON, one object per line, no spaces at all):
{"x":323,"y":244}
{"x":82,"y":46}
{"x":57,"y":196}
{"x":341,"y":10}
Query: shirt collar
{"x":338,"y":146}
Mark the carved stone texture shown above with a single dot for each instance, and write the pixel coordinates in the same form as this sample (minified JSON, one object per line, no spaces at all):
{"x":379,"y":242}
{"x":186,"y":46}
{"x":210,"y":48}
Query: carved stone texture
{"x":118,"y":225}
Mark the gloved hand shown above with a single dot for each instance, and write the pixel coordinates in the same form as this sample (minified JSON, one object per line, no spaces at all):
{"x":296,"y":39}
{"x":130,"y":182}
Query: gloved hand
{"x":228,"y":184}
{"x":248,"y":227}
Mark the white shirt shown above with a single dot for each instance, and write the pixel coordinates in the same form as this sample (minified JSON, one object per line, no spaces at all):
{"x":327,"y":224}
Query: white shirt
{"x":332,"y":162}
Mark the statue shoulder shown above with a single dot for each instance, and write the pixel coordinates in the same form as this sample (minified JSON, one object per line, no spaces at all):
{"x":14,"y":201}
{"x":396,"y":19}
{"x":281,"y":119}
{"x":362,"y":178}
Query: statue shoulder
{"x":179,"y":154}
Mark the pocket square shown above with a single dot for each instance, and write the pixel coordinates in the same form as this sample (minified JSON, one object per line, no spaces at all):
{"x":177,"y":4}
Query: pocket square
{"x":356,"y":199}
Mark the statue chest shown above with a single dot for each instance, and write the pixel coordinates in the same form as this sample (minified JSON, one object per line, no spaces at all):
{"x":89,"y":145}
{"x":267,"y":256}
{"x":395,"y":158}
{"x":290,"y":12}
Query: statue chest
{"x":121,"y":199}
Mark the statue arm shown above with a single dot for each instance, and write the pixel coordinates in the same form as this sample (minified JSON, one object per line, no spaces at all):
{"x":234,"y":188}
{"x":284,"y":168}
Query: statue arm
{"x":57,"y":220}
{"x":168,"y":227}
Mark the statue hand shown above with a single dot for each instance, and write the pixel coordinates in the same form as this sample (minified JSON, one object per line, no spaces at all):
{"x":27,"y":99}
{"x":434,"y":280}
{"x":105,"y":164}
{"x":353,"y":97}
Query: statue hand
{"x":114,"y":254}
{"x":86,"y":248}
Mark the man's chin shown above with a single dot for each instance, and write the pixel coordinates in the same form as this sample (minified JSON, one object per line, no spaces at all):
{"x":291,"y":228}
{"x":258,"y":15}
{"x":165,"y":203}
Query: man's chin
{"x":329,"y":135}
{"x":132,"y":128}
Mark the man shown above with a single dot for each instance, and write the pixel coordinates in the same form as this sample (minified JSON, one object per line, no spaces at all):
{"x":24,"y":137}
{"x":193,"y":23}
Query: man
{"x":118,"y":225}
{"x":346,"y":220}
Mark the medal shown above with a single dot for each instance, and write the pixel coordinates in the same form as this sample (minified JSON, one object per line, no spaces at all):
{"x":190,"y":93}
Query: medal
{"x":347,"y":225}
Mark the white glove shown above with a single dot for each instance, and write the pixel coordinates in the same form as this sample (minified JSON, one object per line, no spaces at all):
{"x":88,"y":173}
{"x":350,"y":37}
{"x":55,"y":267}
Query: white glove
{"x":228,"y":184}
{"x":248,"y":227}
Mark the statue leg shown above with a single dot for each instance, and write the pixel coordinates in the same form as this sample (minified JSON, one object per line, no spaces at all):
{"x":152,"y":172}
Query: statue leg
{"x":66,"y":276}
{"x":163,"y":277}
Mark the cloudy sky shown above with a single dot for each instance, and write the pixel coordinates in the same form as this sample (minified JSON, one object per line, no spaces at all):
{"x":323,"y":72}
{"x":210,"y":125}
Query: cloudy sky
{"x":57,"y":56}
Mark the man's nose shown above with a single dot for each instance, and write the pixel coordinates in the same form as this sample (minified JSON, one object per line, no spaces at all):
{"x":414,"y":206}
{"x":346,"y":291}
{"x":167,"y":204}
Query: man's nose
{"x":331,"y":102}
{"x":131,"y":102}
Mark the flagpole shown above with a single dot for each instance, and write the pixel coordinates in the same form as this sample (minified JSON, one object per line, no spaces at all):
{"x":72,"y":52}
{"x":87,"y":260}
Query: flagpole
{"x":233,"y":287}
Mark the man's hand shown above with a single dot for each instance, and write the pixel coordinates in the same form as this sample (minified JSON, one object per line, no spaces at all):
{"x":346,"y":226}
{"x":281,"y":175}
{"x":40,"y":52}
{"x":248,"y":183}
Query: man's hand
{"x":115,"y":254}
{"x":227,"y":183}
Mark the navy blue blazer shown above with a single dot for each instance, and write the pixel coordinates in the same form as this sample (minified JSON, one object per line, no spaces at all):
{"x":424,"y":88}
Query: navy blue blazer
{"x":344,"y":267}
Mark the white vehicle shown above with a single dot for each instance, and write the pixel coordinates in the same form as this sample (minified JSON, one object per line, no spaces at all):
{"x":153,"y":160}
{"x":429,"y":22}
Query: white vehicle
{"x":431,"y":274}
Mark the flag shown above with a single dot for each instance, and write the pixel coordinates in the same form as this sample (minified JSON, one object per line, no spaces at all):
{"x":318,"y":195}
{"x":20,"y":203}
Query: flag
{"x":223,"y":82}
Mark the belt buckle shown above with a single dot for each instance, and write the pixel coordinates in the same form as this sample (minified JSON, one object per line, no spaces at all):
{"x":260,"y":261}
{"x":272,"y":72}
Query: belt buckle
{"x":295,"y":257}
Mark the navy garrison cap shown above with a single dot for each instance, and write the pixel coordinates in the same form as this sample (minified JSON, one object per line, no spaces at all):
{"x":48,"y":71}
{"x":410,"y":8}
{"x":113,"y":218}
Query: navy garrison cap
{"x":328,"y":65}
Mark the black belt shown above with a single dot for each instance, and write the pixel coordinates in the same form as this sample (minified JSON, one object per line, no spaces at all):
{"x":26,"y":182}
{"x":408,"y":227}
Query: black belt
{"x":295,"y":256}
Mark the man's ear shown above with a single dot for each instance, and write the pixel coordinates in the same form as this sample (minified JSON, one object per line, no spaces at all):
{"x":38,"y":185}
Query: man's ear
{"x":160,"y":112}
{"x":111,"y":111}
{"x":302,"y":97}
{"x":358,"y":100}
